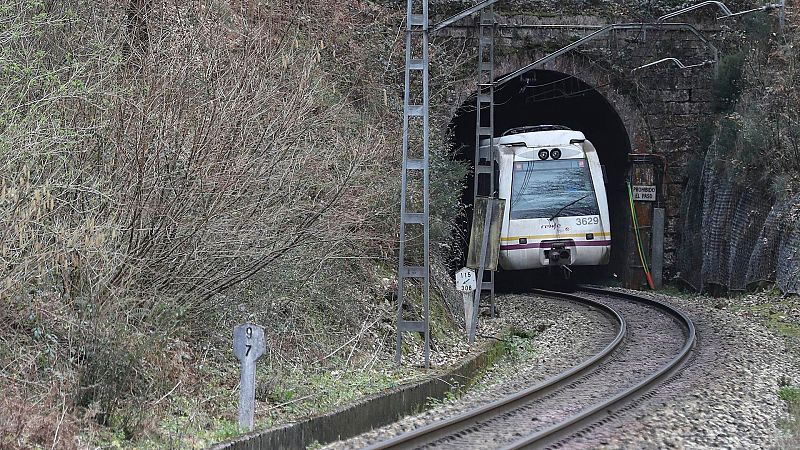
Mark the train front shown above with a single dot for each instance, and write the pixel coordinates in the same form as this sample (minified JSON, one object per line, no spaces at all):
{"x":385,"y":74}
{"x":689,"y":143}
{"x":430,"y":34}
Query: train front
{"x":556,"y":209}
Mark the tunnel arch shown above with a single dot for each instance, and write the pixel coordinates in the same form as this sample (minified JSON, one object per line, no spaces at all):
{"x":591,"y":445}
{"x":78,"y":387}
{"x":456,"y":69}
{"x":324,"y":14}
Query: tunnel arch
{"x":586,"y":100}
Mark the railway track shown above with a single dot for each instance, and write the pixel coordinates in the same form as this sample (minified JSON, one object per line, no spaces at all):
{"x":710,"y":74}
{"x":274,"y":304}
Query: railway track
{"x":652,"y":341}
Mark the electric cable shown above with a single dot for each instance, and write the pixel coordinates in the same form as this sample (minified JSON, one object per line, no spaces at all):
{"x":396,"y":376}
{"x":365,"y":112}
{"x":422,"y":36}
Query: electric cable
{"x":639,"y":245}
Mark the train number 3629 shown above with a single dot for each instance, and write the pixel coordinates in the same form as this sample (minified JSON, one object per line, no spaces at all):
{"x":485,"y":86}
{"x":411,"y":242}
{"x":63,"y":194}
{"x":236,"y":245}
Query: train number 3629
{"x":587,"y":220}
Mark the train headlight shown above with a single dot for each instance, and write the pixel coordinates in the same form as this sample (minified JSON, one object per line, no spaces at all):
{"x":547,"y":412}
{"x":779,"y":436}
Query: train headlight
{"x":555,"y":153}
{"x":543,"y":154}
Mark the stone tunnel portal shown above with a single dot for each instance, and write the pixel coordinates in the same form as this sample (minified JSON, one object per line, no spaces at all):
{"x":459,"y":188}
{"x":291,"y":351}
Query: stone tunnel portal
{"x":545,"y":97}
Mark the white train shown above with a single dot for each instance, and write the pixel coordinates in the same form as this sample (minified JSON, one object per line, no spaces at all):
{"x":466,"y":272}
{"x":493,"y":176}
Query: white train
{"x":556,"y":211}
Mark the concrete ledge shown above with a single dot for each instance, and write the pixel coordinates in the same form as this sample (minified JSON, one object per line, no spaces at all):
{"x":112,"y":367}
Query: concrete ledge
{"x":367,"y":414}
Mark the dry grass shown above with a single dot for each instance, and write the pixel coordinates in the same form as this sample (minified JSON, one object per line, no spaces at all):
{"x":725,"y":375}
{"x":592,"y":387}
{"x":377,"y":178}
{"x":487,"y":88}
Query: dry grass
{"x":168,"y":169}
{"x":155,"y":155}
{"x":43,"y":424}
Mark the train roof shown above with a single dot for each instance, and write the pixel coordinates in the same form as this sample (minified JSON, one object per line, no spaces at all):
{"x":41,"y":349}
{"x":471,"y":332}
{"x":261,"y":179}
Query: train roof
{"x":532,"y":128}
{"x":544,"y":138}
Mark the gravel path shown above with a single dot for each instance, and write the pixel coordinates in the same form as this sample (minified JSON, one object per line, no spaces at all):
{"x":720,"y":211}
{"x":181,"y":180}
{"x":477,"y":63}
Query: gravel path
{"x":725,"y":397}
{"x":569,"y":334}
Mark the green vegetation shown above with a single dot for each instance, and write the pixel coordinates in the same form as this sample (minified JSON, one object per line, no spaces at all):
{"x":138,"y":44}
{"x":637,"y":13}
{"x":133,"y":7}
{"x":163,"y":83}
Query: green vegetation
{"x":727,"y":84}
{"x":774,"y":315}
{"x":756,"y":136}
{"x":767,"y":306}
{"x":791,"y":395}
{"x":518,"y":345}
{"x":511,"y":350}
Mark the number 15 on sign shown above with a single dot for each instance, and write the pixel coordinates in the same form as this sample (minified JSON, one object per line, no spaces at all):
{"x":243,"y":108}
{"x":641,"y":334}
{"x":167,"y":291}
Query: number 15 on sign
{"x":466,"y":281}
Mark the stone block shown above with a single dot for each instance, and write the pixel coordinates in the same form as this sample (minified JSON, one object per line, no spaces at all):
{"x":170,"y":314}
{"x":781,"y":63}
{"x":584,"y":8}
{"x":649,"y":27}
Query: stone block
{"x":681,"y":108}
{"x":701,"y":95}
{"x":676,"y":140}
{"x":673,"y":95}
{"x":669,"y":148}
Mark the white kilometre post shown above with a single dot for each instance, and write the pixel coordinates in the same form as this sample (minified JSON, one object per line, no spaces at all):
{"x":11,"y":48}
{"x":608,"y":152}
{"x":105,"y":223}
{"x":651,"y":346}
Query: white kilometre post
{"x":248,"y":346}
{"x":466,"y":283}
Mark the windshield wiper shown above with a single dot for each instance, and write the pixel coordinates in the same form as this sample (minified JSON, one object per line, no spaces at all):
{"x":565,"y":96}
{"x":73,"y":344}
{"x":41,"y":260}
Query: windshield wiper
{"x":567,"y":206}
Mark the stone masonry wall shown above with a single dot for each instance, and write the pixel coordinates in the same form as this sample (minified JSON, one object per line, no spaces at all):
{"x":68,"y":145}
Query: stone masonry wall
{"x":662,"y":107}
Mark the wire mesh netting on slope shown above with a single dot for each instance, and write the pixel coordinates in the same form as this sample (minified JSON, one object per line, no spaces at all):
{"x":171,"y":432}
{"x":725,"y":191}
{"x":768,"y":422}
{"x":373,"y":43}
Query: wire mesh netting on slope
{"x":736,"y":235}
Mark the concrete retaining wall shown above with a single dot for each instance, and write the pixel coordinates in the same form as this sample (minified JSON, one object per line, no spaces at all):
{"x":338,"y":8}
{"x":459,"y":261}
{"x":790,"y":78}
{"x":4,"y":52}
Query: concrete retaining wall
{"x":367,"y":414}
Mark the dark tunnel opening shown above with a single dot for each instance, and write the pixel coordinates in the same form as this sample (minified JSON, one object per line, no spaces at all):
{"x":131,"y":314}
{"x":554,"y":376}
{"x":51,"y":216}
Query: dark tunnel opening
{"x":545,"y":97}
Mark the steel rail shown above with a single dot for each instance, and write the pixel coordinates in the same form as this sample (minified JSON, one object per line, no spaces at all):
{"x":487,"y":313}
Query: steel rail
{"x":575,"y":423}
{"x":446,"y":427}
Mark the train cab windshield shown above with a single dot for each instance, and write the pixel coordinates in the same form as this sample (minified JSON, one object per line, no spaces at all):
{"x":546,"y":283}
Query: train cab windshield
{"x":552,"y":188}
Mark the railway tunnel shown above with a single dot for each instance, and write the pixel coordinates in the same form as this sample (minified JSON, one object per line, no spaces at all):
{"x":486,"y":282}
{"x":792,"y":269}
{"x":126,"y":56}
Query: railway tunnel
{"x":549,"y":97}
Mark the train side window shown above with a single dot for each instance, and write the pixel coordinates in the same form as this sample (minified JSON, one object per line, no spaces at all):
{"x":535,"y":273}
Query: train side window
{"x":605,"y":176}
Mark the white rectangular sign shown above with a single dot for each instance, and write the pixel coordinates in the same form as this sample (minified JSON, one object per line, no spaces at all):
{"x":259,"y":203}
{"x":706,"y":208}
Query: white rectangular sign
{"x":644,"y":193}
{"x":466,"y":281}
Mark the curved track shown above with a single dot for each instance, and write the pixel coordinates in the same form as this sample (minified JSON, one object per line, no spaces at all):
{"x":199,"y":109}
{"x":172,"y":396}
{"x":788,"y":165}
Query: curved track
{"x":653,"y":340}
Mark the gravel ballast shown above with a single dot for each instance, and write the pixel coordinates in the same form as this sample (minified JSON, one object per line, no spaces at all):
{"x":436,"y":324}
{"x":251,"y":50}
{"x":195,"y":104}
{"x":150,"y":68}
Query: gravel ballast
{"x":725,"y":395}
{"x":568,"y":333}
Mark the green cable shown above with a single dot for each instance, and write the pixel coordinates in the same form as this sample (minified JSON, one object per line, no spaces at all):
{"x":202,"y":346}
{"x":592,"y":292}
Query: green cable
{"x":635,"y":220}
{"x":639,"y":245}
